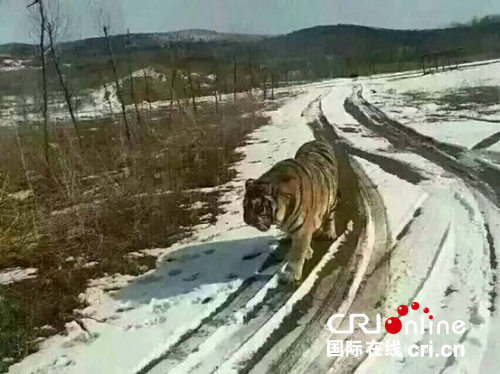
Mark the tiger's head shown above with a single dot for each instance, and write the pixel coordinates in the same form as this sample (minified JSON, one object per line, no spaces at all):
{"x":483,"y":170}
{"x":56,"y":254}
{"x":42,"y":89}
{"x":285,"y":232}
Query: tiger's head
{"x":260,"y":204}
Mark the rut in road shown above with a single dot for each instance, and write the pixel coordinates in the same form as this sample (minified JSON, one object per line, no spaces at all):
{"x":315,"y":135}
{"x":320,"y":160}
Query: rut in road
{"x":334,"y":284}
{"x":483,"y":177}
{"x":303,"y":348}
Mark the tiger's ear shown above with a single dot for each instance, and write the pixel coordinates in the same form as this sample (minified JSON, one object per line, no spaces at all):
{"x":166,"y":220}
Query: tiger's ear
{"x":249,"y":183}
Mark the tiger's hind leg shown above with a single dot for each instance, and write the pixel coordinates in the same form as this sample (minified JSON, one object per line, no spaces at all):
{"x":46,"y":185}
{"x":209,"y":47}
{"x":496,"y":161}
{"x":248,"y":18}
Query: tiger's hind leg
{"x":327,"y":231}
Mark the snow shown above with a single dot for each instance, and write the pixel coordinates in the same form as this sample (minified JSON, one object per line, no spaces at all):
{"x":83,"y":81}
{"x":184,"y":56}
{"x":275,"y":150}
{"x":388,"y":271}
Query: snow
{"x":9,"y":276}
{"x":399,"y":211}
{"x":8,"y":65}
{"x":466,"y":133}
{"x":464,"y":127}
{"x":149,"y":73}
{"x":21,"y":195}
{"x":477,"y":74}
{"x":441,"y":250}
{"x":231,"y":366}
{"x":191,"y":280}
{"x":458,"y":264}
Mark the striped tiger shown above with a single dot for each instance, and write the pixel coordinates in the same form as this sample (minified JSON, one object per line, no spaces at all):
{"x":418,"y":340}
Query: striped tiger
{"x":299,"y":196}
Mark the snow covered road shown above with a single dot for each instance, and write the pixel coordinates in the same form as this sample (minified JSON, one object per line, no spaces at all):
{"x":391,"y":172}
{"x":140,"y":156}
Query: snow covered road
{"x":421,"y":223}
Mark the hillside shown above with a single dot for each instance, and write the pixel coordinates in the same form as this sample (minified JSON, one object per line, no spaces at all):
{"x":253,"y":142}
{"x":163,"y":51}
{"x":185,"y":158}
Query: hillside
{"x":314,"y":53}
{"x":141,"y":41}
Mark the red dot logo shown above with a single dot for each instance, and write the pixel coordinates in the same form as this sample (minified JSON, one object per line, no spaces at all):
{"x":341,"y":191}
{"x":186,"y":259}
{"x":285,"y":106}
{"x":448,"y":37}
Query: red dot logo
{"x":431,"y":317}
{"x":393,"y":325}
{"x":402,"y":310}
{"x":426,"y":310}
{"x":415,"y":305}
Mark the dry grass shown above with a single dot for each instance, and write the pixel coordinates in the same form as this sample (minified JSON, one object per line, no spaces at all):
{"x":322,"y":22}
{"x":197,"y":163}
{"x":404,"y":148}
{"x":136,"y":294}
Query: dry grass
{"x":102,"y":203}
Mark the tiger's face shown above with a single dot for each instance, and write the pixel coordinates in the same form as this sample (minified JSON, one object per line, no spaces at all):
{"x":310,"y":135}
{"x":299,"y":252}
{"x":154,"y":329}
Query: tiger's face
{"x":259,"y":205}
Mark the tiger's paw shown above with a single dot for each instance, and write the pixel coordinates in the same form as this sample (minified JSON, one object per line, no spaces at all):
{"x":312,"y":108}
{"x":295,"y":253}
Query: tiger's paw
{"x":309,"y":253}
{"x":286,"y":277}
{"x":290,"y":275}
{"x":328,"y":235}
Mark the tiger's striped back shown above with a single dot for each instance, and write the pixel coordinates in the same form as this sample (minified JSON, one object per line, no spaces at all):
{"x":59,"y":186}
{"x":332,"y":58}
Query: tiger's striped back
{"x":313,"y":172}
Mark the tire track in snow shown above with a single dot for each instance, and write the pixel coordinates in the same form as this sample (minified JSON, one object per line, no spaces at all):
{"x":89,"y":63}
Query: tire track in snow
{"x":351,"y":364}
{"x":246,"y":301}
{"x":339,"y":288}
{"x":304,"y":354}
{"x":487,"y":142}
{"x":481,"y":178}
{"x":277,"y":319}
{"x":274,"y":300}
{"x":241,"y":293}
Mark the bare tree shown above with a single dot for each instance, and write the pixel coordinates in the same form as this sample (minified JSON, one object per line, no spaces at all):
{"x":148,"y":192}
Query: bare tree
{"x":191,"y":88}
{"x":119,"y":90}
{"x":264,"y":83}
{"x":190,"y":80}
{"x":250,"y":69}
{"x":148,"y":91}
{"x":273,"y":78}
{"x":132,"y":88}
{"x":107,"y":95}
{"x":215,"y":87}
{"x":54,"y":24}
{"x":234,"y":76}
{"x":172,"y":83}
{"x":42,"y":26}
{"x":103,"y":12}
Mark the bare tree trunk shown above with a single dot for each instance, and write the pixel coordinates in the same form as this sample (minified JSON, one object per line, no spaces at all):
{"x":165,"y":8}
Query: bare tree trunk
{"x":250,"y":71}
{"x":119,"y":91}
{"x":179,"y":104}
{"x":264,"y":86}
{"x":272,"y":86}
{"x":107,"y":95}
{"x":216,"y":84}
{"x":67,"y":95}
{"x":191,"y":87}
{"x":172,"y":93}
{"x":132,"y":89}
{"x":234,"y":77}
{"x":172,"y":85}
{"x":148,"y":92}
{"x":44,"y":83}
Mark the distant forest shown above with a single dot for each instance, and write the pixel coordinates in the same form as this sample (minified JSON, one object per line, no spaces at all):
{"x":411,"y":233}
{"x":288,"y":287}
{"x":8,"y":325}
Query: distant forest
{"x":308,"y":54}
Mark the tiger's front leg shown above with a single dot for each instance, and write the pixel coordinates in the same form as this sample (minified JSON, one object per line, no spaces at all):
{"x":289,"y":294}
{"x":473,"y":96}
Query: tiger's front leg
{"x":299,"y":252}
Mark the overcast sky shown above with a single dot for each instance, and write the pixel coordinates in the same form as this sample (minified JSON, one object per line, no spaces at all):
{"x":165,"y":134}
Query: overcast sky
{"x":246,"y":16}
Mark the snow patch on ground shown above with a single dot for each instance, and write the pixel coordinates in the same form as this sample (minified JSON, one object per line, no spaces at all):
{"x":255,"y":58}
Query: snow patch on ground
{"x":9,"y":276}
{"x":399,"y":210}
{"x":464,"y":127}
{"x":442,"y":258}
{"x":135,"y":320}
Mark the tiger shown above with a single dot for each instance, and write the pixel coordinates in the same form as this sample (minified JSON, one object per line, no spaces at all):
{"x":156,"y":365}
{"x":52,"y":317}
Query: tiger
{"x":299,"y":196}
